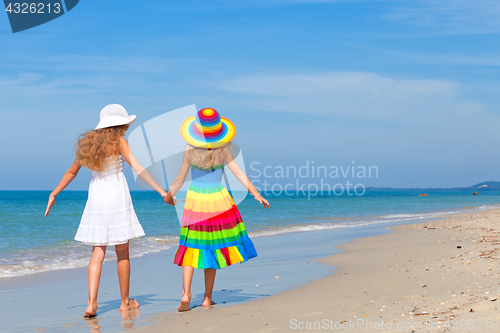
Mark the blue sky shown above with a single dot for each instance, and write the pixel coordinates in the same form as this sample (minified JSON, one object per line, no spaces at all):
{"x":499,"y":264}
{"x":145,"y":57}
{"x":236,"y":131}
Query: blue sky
{"x":409,"y":86}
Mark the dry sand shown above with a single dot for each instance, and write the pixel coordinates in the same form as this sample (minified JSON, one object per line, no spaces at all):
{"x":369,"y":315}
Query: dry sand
{"x":415,"y":278}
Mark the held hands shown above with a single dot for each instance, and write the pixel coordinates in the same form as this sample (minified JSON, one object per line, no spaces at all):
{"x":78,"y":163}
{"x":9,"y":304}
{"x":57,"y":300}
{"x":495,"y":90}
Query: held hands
{"x":262,"y":201}
{"x":50,"y":204}
{"x":169,"y":199}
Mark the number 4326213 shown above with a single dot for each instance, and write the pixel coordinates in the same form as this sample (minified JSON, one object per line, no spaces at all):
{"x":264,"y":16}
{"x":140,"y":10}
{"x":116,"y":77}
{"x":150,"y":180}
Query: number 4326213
{"x":33,"y":8}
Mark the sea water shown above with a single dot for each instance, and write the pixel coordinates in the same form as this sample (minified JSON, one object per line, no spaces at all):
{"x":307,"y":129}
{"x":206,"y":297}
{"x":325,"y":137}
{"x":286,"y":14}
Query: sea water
{"x":30,"y":243}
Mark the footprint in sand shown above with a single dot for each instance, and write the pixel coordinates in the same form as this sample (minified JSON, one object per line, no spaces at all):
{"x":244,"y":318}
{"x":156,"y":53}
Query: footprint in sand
{"x":412,"y":297}
{"x":315,"y":313}
{"x":283,"y":307}
{"x":484,"y":306}
{"x":273,"y":329}
{"x":257,"y":313}
{"x":356,"y":306}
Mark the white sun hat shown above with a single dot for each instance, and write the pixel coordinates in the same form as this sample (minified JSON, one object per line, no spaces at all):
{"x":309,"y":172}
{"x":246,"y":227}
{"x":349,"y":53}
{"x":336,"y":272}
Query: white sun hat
{"x":114,"y":115}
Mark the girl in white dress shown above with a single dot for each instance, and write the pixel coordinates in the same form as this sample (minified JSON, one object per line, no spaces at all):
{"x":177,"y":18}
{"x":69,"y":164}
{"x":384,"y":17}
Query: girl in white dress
{"x":109,"y":217}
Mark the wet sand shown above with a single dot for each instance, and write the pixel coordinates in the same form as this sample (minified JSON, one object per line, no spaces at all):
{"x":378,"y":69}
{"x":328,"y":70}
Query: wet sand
{"x":436,"y":276}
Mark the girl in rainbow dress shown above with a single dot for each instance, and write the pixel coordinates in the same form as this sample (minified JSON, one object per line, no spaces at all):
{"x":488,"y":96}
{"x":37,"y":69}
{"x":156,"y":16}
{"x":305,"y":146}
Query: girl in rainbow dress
{"x":212,"y":232}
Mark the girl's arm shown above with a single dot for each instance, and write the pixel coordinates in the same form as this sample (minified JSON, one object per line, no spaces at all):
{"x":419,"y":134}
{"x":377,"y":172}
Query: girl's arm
{"x":137,"y":167}
{"x":67,"y":178}
{"x":178,"y":181}
{"x":242,"y":177}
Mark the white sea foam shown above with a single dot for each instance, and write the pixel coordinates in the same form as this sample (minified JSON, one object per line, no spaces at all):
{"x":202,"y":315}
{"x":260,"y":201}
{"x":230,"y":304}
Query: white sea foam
{"x":350,"y":222}
{"x":73,"y":256}
{"x":77,"y":255}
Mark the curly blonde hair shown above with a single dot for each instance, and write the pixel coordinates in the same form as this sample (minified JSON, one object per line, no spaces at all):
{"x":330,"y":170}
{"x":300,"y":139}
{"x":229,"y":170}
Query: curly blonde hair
{"x":94,"y":147}
{"x":201,"y":156}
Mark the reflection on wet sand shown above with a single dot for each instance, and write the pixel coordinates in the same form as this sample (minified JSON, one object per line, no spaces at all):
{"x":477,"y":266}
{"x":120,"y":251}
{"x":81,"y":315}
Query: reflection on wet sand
{"x":128,"y":317}
{"x":93,"y":323}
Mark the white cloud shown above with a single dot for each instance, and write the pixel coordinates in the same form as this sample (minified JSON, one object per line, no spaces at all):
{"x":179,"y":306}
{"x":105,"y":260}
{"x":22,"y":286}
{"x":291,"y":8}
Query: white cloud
{"x":21,"y":79}
{"x":453,"y":16}
{"x":112,"y":64}
{"x":34,"y":84}
{"x":440,"y":59}
{"x":456,"y":16}
{"x":287,"y":2}
{"x":359,"y":95}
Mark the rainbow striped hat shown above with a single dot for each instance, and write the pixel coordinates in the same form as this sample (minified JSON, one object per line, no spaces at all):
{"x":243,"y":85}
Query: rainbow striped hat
{"x":207,"y":129}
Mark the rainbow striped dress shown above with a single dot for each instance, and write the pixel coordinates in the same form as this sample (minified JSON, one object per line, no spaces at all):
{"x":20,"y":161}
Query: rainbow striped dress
{"x":212,"y":232}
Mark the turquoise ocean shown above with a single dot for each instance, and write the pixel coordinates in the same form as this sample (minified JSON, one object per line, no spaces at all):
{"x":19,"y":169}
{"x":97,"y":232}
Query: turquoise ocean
{"x":30,"y":243}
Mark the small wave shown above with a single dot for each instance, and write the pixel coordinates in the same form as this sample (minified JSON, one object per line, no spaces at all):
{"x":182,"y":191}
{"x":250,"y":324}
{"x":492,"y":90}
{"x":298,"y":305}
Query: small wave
{"x":358,"y":222}
{"x":74,"y":255}
{"x":439,"y":213}
{"x":321,"y":226}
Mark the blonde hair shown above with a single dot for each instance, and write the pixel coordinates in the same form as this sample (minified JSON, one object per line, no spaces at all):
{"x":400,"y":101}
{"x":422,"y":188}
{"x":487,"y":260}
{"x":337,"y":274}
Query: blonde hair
{"x":94,"y":147}
{"x":201,"y":156}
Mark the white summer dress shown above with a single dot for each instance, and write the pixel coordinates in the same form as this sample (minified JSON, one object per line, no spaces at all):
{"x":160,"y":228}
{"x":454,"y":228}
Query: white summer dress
{"x":109,"y":217}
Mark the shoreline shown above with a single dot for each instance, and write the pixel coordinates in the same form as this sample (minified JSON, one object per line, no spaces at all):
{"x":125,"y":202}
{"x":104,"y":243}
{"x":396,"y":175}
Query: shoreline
{"x":415,"y":276}
{"x":156,"y":283}
{"x":28,"y":262}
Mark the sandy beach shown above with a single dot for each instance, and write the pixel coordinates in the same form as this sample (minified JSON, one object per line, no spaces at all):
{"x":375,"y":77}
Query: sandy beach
{"x":436,"y":276}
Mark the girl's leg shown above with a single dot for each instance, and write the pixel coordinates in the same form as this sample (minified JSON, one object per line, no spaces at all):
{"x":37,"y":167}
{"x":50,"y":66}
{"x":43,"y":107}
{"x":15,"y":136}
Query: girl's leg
{"x":94,"y":273}
{"x":123,"y":268}
{"x":187,"y":278}
{"x":209,"y":286}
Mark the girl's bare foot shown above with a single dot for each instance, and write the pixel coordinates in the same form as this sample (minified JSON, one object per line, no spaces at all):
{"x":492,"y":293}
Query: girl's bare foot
{"x":207,"y":301}
{"x":131,"y":304}
{"x":185,"y":303}
{"x":91,"y":311}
